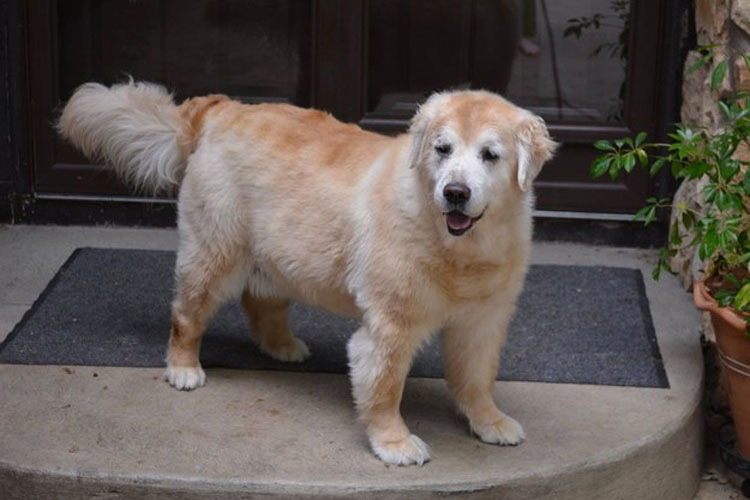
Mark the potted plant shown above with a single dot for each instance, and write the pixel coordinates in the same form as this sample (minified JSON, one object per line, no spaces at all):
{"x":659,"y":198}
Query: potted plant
{"x":721,"y":233}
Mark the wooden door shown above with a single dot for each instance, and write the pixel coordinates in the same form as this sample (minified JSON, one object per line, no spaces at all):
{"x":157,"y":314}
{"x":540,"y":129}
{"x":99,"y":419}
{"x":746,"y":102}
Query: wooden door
{"x":370,"y":62}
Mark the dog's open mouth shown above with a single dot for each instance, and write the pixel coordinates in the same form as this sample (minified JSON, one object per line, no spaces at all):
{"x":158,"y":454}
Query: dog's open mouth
{"x":458,"y":222}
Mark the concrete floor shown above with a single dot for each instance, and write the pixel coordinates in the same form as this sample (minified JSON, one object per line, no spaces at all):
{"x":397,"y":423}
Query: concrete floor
{"x":123,"y":433}
{"x":717,"y":482}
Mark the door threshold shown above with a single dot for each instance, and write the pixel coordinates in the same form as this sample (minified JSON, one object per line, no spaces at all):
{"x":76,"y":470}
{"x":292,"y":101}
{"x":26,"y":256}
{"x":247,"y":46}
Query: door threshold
{"x":103,"y":198}
{"x":538,"y":214}
{"x":600,"y":216}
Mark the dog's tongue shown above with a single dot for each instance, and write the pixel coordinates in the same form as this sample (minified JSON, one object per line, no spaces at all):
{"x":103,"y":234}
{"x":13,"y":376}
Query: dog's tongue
{"x":458,"y":221}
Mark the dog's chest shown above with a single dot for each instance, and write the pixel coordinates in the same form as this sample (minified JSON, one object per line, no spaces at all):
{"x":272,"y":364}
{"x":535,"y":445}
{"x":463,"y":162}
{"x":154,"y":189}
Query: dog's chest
{"x":467,"y":282}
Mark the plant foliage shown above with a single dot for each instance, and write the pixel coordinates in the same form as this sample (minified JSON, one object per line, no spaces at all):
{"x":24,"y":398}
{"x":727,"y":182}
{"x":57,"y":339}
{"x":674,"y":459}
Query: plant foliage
{"x":722,"y":233}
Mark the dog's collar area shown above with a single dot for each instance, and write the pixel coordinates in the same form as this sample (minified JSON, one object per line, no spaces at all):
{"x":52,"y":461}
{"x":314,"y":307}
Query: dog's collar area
{"x":458,"y":222}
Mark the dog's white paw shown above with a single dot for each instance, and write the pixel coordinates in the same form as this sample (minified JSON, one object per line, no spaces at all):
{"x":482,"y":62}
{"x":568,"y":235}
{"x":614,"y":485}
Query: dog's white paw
{"x":408,"y":451}
{"x":295,"y":351}
{"x":185,"y":378}
{"x":505,"y":431}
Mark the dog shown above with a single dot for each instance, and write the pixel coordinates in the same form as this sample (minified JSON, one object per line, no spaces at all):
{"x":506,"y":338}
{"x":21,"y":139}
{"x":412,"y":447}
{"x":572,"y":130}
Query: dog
{"x":426,"y":231}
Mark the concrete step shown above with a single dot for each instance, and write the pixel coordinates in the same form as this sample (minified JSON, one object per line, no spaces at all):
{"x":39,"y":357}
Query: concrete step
{"x":89,"y":432}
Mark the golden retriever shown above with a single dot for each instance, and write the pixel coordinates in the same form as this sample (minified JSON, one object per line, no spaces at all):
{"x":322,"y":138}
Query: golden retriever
{"x":412,"y":234}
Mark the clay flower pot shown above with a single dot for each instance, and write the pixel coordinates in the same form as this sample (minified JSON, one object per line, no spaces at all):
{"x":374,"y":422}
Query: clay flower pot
{"x":734,"y":350}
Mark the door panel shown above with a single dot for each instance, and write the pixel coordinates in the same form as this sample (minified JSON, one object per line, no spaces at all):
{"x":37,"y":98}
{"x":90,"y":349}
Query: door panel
{"x":370,"y":62}
{"x":256,"y":51}
{"x":434,"y":45}
{"x":578,"y":84}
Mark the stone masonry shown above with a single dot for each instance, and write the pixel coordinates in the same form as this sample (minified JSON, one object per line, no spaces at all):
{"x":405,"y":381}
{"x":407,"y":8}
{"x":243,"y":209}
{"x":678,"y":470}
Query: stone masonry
{"x":725,"y":22}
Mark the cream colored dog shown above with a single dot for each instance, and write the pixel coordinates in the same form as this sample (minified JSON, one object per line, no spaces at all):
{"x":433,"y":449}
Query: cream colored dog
{"x":425,"y":231}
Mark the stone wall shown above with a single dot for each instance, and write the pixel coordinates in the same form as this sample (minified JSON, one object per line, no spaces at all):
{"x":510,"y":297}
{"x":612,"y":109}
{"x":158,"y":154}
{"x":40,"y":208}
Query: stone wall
{"x":725,"y":22}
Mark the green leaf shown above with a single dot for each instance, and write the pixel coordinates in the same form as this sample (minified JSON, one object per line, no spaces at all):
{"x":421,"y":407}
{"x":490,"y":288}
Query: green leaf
{"x":724,"y":108}
{"x":688,"y":219}
{"x":734,"y":201}
{"x":718,"y":74}
{"x":674,"y":234}
{"x":710,"y":242}
{"x":628,"y":162}
{"x":658,"y":164}
{"x":732,"y":279}
{"x":640,"y":138}
{"x":731,"y":239}
{"x":694,"y":169}
{"x":724,"y":240}
{"x":709,"y":191}
{"x":702,"y":61}
{"x":721,"y":200}
{"x":615,"y":167}
{"x":724,"y":297}
{"x":650,"y":216}
{"x":641,"y":214}
{"x":642,"y":156}
{"x":746,"y":58}
{"x":742,"y":299}
{"x":656,"y":273}
{"x":728,"y":169}
{"x":600,"y":166}
{"x":677,"y":169}
{"x":604,"y":146}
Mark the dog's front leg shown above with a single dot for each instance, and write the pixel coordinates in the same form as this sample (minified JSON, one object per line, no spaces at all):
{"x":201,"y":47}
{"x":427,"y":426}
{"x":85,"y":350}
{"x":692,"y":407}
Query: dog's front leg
{"x":472,"y":356}
{"x":379,"y":360}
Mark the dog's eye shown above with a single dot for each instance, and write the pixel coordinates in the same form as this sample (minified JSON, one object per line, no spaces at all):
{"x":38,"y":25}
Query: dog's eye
{"x":488,"y":155}
{"x":444,"y":149}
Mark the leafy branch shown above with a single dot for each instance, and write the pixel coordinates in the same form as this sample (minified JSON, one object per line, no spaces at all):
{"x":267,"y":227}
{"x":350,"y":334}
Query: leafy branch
{"x":722,"y":233}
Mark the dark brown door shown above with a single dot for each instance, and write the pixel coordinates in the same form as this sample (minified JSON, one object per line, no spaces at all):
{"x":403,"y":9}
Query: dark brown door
{"x":370,"y":62}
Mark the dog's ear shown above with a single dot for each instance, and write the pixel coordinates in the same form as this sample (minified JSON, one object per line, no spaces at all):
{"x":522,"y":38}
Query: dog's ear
{"x":534,"y":149}
{"x":420,"y":127}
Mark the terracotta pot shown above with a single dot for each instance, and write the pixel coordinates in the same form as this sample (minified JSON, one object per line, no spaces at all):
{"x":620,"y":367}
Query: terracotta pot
{"x":734,"y":351}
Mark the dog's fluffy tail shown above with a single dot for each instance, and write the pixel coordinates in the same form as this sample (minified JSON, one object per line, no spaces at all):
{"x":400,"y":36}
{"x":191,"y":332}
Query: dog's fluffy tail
{"x":132,"y":126}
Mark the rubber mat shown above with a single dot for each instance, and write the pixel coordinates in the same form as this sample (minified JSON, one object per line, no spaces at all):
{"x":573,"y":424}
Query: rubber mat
{"x":111,"y":307}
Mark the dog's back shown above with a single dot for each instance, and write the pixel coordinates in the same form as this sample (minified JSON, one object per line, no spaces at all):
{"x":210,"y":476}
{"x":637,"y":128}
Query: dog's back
{"x":138,"y":129}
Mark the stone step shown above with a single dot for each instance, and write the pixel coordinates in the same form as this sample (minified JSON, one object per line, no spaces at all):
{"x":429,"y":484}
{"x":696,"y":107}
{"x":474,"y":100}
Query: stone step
{"x":72,"y":432}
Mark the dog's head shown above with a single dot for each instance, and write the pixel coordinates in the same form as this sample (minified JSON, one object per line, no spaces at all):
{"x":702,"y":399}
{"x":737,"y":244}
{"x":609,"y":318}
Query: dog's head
{"x":478,"y":153}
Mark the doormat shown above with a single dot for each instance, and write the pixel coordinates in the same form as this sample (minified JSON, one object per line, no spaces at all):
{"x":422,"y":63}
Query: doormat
{"x":111,"y":307}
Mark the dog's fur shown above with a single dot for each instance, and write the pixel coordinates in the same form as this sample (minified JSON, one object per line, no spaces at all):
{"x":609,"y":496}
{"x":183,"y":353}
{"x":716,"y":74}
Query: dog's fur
{"x":279,"y":203}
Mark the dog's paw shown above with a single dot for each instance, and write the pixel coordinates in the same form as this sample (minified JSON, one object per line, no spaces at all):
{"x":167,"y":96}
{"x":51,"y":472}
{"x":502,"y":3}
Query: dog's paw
{"x":408,"y":451}
{"x":505,"y":431}
{"x":185,"y":378}
{"x":295,"y":351}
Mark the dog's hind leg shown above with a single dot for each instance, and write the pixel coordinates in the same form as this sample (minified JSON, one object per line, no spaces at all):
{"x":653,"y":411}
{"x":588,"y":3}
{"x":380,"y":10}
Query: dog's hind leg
{"x":200,"y":278}
{"x":268,"y":321}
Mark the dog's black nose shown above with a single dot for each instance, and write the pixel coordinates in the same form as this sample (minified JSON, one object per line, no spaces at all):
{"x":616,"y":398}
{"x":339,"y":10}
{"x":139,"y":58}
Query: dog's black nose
{"x":457,"y":193}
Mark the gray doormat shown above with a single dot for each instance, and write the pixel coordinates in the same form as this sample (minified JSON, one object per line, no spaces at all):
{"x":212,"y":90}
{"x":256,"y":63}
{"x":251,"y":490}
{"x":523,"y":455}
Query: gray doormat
{"x":111,"y":307}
